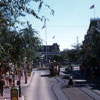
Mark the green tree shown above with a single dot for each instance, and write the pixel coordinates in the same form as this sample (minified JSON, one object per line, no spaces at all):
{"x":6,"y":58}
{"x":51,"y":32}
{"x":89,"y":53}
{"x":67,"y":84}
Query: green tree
{"x":11,"y":10}
{"x":72,"y":55}
{"x":31,"y":42}
{"x":15,"y":45}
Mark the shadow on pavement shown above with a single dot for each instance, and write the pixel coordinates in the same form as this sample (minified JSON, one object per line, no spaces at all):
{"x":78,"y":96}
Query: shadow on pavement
{"x":47,"y":75}
{"x":65,"y":77}
{"x":80,"y":81}
{"x":65,"y":72}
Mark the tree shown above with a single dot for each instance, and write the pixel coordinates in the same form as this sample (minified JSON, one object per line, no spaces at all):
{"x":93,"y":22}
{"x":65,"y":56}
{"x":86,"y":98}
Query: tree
{"x":72,"y":55}
{"x":31,"y":42}
{"x":15,"y":45}
{"x":11,"y":10}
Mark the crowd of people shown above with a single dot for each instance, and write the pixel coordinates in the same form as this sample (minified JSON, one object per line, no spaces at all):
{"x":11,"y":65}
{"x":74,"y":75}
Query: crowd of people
{"x":5,"y":80}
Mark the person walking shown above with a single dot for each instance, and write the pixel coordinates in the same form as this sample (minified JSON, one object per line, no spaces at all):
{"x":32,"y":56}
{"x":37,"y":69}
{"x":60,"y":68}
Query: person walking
{"x":58,"y":68}
{"x":10,"y":80}
{"x":70,"y":82}
{"x":71,"y":69}
{"x":1,"y":86}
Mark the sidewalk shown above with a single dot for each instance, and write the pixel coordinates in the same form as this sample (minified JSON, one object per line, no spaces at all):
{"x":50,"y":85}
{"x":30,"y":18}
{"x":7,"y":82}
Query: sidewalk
{"x":6,"y":93}
{"x":82,"y":90}
{"x":93,"y":80}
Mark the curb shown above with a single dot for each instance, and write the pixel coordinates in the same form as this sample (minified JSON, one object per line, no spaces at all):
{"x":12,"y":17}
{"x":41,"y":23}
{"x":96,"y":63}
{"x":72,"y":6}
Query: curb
{"x":21,"y":98}
{"x":29,"y":80}
{"x":59,"y":93}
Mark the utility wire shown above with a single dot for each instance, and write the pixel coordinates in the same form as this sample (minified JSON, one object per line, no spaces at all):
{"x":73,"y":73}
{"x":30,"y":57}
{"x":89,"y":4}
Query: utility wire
{"x":62,"y":26}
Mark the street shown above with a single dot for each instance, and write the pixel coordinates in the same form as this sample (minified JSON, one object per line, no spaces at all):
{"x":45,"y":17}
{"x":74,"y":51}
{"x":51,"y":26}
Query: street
{"x":40,"y":87}
{"x":44,"y":87}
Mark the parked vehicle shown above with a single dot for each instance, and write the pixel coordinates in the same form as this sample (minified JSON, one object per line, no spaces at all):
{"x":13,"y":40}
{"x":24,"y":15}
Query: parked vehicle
{"x":68,"y":69}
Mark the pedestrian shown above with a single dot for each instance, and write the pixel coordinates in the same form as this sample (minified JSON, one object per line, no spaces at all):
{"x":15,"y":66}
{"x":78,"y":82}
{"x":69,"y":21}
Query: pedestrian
{"x":2,"y":83}
{"x":70,"y":82}
{"x":54,"y":65}
{"x":18,"y":83}
{"x":7,"y":80}
{"x":58,"y":68}
{"x":71,"y":68}
{"x":10,"y":80}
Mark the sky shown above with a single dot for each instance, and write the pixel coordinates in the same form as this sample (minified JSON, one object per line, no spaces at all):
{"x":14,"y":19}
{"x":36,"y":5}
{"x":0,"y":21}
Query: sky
{"x":71,"y":20}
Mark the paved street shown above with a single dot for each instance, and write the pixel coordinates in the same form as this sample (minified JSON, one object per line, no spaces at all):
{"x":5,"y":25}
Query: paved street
{"x":41,"y":87}
{"x":44,"y":87}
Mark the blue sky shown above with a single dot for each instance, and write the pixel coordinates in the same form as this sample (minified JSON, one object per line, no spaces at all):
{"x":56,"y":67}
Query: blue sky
{"x":71,"y":20}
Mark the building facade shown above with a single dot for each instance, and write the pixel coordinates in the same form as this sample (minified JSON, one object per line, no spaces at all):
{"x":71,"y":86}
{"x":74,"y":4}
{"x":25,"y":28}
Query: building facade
{"x":91,"y":47}
{"x":47,"y":52}
{"x":90,"y":42}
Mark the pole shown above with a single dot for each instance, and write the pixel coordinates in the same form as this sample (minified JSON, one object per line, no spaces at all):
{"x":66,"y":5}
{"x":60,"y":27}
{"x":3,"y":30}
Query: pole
{"x":46,"y":39}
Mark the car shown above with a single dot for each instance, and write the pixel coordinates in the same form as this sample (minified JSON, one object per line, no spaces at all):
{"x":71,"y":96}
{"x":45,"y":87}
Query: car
{"x":68,"y":69}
